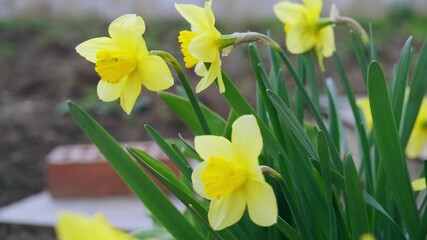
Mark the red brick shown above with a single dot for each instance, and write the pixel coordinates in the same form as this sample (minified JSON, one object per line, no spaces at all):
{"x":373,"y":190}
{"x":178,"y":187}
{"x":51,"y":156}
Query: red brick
{"x":82,"y":171}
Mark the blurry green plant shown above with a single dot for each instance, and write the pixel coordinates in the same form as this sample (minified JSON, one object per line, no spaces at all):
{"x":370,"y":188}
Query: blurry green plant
{"x":320,"y":193}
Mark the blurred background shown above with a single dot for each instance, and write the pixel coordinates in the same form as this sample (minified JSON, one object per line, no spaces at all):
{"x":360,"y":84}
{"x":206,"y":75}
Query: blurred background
{"x":40,"y":70}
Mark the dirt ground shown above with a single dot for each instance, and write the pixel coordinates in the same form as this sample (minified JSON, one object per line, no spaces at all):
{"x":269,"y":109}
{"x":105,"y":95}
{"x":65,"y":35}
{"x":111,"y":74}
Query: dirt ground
{"x":39,"y":71}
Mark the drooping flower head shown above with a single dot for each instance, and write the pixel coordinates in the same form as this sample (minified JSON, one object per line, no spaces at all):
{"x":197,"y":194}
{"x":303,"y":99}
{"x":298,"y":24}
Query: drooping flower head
{"x":231,"y":178}
{"x":72,"y":226}
{"x":418,"y":138}
{"x":202,"y":44}
{"x":305,"y":29}
{"x":124,"y":64}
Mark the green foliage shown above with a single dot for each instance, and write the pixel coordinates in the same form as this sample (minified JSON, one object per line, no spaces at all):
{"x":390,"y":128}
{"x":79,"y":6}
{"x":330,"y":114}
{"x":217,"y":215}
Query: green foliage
{"x":323,"y":192}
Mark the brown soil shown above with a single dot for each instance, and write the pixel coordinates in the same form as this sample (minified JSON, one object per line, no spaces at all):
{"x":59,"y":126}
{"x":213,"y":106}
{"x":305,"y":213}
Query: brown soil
{"x":38,"y":73}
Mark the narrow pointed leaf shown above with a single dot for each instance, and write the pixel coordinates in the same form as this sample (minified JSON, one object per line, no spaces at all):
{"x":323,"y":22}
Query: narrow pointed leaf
{"x":288,"y":117}
{"x":390,"y":149}
{"x":363,"y":139}
{"x":418,"y":89}
{"x":179,"y":161}
{"x":241,"y":107}
{"x":359,"y":50}
{"x":334,"y":118}
{"x":287,"y":230}
{"x":354,"y":198}
{"x":182,"y":108}
{"x":137,"y":180}
{"x":369,"y":200}
{"x":400,"y":81}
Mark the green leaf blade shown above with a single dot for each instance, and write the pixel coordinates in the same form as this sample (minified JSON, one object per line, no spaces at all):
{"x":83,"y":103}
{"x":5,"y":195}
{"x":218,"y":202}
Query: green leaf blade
{"x":389,"y":147}
{"x":400,"y":81}
{"x":183,"y":109}
{"x":137,"y":180}
{"x":354,"y":198}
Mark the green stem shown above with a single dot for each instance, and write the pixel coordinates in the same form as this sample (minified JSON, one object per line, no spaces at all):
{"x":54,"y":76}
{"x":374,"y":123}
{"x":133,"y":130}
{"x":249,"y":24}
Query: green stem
{"x":316,"y":114}
{"x":171,"y":60}
{"x":292,"y":204}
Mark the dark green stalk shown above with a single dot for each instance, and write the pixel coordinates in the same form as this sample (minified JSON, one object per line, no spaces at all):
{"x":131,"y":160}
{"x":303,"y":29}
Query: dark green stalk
{"x":171,"y":60}
{"x":316,"y":114}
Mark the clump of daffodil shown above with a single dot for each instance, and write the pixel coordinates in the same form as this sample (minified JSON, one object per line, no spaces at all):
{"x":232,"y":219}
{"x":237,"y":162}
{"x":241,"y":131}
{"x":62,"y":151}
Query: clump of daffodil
{"x":419,"y":184}
{"x":202,"y":44}
{"x":124,"y":63}
{"x":305,"y":29}
{"x":418,"y":137}
{"x":231,"y":178}
{"x":73,"y":226}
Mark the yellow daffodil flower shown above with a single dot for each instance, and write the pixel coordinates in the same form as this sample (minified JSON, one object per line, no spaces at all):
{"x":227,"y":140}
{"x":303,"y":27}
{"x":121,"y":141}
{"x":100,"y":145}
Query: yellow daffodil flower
{"x":73,"y":226}
{"x":419,"y":184}
{"x":305,"y":29}
{"x":231,"y":178}
{"x":202,"y":44}
{"x":363,"y":104}
{"x":124,"y":64}
{"x":367,"y":236}
{"x":418,"y":137}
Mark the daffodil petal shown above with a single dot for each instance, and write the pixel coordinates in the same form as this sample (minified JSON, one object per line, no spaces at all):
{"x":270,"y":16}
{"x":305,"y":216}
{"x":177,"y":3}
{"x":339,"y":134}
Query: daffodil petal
{"x":109,"y":92}
{"x":140,"y":48}
{"x":73,"y":226}
{"x":365,"y":108}
{"x":208,"y":146}
{"x":155,"y":73}
{"x":226,"y":211}
{"x":327,"y":40}
{"x":197,"y":182}
{"x":88,"y":49}
{"x":419,"y":184}
{"x":204,"y":83}
{"x":200,"y":69}
{"x":126,"y":31}
{"x":290,"y":13}
{"x":213,"y":72}
{"x":246,"y":140}
{"x":300,"y":38}
{"x":195,"y":15}
{"x":68,"y":223}
{"x":318,"y":51}
{"x":262,"y":204}
{"x":314,"y":6}
{"x":221,"y":85}
{"x":204,"y":47}
{"x":130,"y":92}
{"x":209,"y":13}
{"x":416,"y":142}
{"x":130,"y":22}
